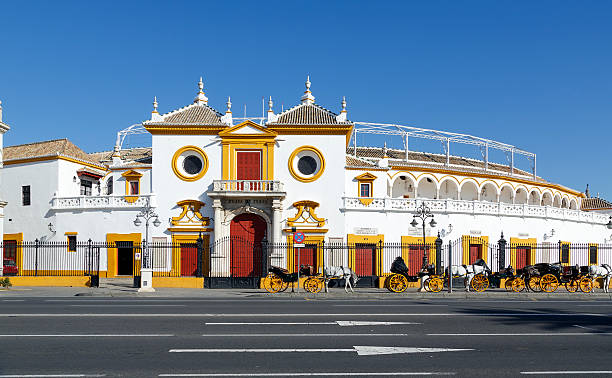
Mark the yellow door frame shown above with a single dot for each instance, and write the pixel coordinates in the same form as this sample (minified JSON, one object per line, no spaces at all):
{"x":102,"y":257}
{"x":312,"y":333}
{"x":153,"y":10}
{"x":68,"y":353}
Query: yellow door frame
{"x":111,"y":262}
{"x":175,"y":270}
{"x":483,"y":241}
{"x":528,"y":242}
{"x":408,"y":240}
{"x":18,"y":238}
{"x":353,"y":239}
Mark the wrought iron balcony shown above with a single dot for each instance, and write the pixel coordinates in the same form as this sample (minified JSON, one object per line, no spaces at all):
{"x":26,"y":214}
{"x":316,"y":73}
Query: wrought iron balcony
{"x":242,"y":188}
{"x":101,"y":202}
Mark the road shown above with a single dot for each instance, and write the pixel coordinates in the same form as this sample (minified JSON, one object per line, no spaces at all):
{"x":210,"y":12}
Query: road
{"x":266,"y":337}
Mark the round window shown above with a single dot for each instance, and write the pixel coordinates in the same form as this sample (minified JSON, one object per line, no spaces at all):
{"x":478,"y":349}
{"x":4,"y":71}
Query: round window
{"x":306,"y":164}
{"x":192,"y":164}
{"x":189,"y":163}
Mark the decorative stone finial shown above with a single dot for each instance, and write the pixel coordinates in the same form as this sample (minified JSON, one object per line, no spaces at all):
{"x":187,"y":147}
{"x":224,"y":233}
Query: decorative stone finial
{"x":308,"y":98}
{"x":271,"y":116}
{"x":155,"y":116}
{"x":227,"y":117}
{"x":270,"y":104}
{"x":0,"y":111}
{"x":201,"y":98}
{"x":155,"y":104}
{"x":342,"y":116}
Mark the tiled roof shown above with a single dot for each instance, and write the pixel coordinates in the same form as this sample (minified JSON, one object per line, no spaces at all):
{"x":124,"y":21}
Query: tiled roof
{"x":308,"y":114}
{"x":57,"y":147}
{"x":595,"y":204}
{"x":194,"y":114}
{"x":398,"y":158}
{"x":354,"y":162}
{"x":143,"y":155}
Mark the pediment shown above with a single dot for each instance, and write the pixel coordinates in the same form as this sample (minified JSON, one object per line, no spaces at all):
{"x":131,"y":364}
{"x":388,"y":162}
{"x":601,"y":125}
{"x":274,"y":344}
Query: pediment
{"x":365,"y":177}
{"x":247,"y":129}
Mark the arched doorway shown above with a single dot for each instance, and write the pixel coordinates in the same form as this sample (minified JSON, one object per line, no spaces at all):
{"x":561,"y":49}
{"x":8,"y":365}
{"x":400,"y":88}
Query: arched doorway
{"x":246,"y":256}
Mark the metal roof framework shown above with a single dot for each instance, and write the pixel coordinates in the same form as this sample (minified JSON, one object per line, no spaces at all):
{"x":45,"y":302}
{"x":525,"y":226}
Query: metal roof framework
{"x":405,"y":132}
{"x":446,"y":138}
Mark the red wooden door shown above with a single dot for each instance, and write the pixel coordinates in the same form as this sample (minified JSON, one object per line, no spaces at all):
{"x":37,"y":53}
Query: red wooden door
{"x":189,"y":259}
{"x":247,"y":231}
{"x":248,"y":165}
{"x":522,"y":257}
{"x":365,"y":256}
{"x":307,"y":256}
{"x":475,"y":252}
{"x":415,"y":259}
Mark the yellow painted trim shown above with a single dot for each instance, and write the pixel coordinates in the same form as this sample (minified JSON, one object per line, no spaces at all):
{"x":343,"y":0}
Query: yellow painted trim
{"x":190,"y":229}
{"x":54,"y":157}
{"x":308,"y":207}
{"x":518,"y":242}
{"x":353,"y":239}
{"x":308,"y":230}
{"x":297,"y":175}
{"x":111,"y":270}
{"x":569,"y":252}
{"x":596,"y":253}
{"x":18,"y":238}
{"x":366,"y":201}
{"x":56,"y":281}
{"x":130,"y":176}
{"x":176,"y":252}
{"x":197,"y":150}
{"x":479,"y":240}
{"x":418,"y":240}
{"x":366,"y":177}
{"x":310,"y":239}
{"x":179,"y":282}
{"x":264,"y":133}
{"x":194,"y":206}
{"x":312,"y":130}
{"x":68,"y":234}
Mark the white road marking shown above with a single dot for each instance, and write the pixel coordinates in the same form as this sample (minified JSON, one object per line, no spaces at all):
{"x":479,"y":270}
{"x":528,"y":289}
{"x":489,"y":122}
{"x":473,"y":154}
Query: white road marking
{"x":285,"y":315}
{"x":303,"y":334}
{"x":341,"y":323}
{"x":323,"y":374}
{"x":361,"y":350}
{"x":87,"y":335}
{"x":49,"y":375}
{"x":583,"y":327}
{"x":13,"y":300}
{"x":567,"y":372}
{"x":389,"y":305}
{"x":524,"y":334}
{"x":594,"y":305}
{"x":129,"y":305}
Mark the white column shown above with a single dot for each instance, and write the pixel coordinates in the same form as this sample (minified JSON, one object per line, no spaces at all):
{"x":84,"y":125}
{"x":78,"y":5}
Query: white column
{"x":218,"y":218}
{"x":276,"y":220}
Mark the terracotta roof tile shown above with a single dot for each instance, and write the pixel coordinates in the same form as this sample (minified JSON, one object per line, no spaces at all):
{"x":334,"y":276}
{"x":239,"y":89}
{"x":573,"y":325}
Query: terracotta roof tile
{"x":194,"y":114}
{"x":595,"y":204}
{"x":308,"y":114}
{"x":62,"y":147}
{"x":143,"y":155}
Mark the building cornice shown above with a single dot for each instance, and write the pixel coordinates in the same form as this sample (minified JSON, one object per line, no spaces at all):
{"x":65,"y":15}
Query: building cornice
{"x":55,"y":157}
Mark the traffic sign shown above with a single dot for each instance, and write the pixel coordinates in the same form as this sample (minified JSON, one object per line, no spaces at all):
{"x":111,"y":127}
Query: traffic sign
{"x":299,"y":237}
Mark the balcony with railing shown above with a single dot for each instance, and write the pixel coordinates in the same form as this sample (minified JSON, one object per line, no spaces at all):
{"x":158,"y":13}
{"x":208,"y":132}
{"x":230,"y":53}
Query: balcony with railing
{"x":101,"y":202}
{"x":450,"y":206}
{"x":247,"y":188}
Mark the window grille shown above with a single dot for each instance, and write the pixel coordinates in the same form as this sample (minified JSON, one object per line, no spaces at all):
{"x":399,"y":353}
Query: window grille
{"x":25,"y":195}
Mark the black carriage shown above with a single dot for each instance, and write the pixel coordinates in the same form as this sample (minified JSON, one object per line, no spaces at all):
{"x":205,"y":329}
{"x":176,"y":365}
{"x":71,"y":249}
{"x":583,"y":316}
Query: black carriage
{"x":278,"y":279}
{"x":398,"y":281}
{"x":548,"y":277}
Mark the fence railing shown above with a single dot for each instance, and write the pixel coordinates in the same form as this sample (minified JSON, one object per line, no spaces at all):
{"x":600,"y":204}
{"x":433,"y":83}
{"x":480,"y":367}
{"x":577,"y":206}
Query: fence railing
{"x":245,"y":261}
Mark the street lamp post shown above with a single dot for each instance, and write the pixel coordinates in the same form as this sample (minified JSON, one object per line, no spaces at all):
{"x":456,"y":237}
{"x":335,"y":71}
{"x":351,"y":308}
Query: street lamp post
{"x":423,"y":213}
{"x":146,"y":271}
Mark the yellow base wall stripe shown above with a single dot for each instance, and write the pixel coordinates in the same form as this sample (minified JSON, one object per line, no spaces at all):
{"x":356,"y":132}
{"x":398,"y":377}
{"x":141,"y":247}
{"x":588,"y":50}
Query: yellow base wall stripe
{"x":50,"y":281}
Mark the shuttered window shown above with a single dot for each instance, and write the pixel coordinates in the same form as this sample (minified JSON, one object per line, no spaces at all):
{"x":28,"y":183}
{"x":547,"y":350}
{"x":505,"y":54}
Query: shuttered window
{"x":592,"y":255}
{"x":565,"y":252}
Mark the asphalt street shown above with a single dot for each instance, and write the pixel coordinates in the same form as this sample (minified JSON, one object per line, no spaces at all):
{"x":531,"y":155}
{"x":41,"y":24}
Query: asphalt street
{"x":292,"y":337}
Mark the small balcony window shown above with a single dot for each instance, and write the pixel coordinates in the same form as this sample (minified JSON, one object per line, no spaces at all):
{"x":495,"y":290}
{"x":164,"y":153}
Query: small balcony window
{"x":25,"y":195}
{"x":365,"y":190}
{"x":86,"y":186}
{"x":109,"y":186}
{"x":134,"y":187}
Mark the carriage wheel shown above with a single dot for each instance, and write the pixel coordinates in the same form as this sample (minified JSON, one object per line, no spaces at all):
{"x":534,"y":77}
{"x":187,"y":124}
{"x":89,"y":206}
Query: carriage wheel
{"x":518,"y":284}
{"x":272,"y":283}
{"x":397,"y":283}
{"x":435,"y":284}
{"x":534,"y":284}
{"x":313,"y":285}
{"x":549,"y":283}
{"x":480,"y":282}
{"x":571,"y":286}
{"x":508,"y":284}
{"x":586,"y":284}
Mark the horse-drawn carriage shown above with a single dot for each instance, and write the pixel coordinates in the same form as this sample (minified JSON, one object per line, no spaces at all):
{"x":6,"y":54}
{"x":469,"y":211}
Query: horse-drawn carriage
{"x":398,"y":281}
{"x":548,"y":277}
{"x":278,"y":279}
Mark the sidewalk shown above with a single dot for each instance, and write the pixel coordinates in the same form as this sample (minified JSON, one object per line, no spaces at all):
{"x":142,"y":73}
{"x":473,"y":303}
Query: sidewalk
{"x":113,"y":290}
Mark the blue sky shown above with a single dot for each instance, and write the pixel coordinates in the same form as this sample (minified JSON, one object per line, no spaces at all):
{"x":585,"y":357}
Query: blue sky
{"x":536,"y":74}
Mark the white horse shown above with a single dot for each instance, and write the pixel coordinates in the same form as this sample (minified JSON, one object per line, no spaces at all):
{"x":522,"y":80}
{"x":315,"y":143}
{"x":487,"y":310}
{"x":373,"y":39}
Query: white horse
{"x":338,"y":272}
{"x":468,"y":271}
{"x":604,"y":271}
